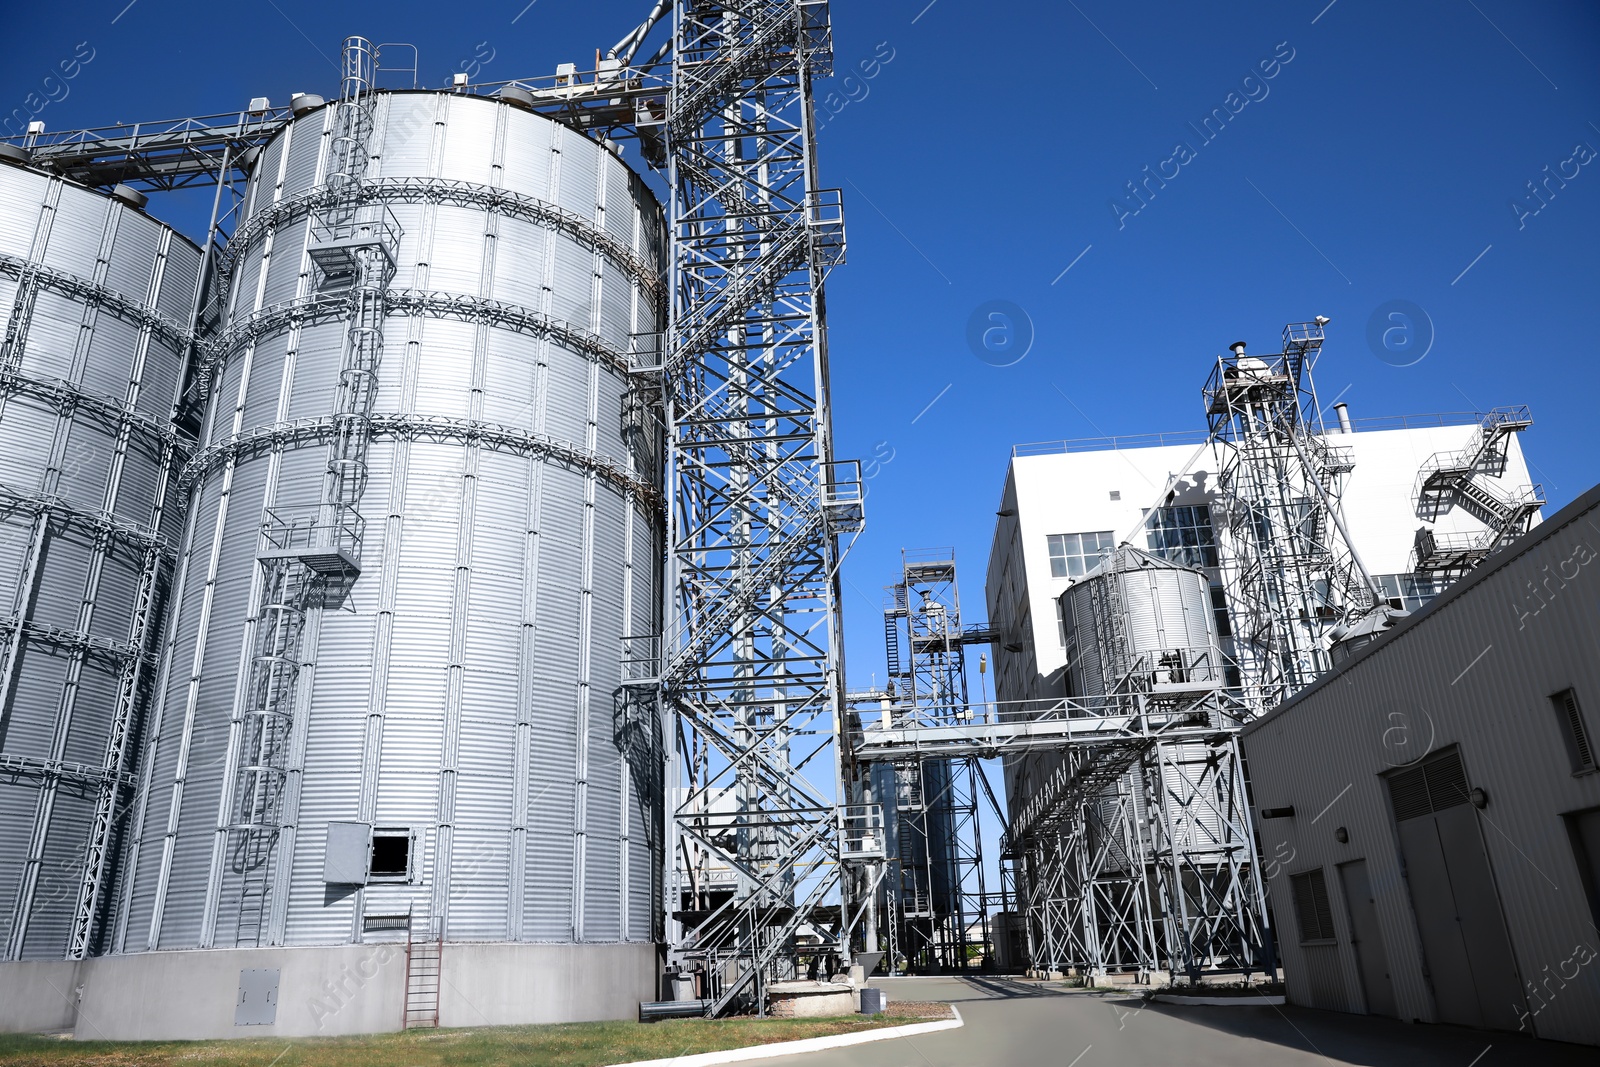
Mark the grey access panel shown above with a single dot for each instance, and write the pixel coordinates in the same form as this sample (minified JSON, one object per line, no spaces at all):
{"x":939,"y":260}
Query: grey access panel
{"x":346,"y":854}
{"x":258,"y":998}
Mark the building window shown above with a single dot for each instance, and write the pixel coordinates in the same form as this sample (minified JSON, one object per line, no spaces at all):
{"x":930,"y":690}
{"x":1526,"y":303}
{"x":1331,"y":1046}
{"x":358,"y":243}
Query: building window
{"x":1311,"y":907}
{"x":1076,"y":554}
{"x":1219,"y":610}
{"x":1408,"y":592}
{"x":391,"y":856}
{"x":1061,"y":621}
{"x":1183,"y":535}
{"x":1580,"y":750}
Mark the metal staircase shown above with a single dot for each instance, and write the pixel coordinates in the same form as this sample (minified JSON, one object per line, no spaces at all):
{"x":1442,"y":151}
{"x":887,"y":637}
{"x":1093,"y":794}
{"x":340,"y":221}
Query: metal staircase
{"x":1468,"y":479}
{"x":750,"y":660}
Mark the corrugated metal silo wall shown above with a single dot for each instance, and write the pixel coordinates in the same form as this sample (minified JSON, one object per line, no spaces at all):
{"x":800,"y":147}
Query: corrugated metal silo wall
{"x":1477,"y":671}
{"x":95,"y":297}
{"x":1167,"y":608}
{"x":465,"y":688}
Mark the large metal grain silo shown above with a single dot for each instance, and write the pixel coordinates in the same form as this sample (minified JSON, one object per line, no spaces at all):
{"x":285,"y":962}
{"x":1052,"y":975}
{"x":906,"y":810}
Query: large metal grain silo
{"x":425,"y":513}
{"x":95,"y":298}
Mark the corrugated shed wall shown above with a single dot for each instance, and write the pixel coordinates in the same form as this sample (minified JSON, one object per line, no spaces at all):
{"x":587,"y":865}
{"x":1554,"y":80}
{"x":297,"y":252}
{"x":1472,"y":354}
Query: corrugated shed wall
{"x":1477,"y":670}
{"x":464,"y":690}
{"x":95,"y":298}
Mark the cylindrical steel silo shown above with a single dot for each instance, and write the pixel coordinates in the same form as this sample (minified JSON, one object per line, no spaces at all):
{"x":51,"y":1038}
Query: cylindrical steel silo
{"x":95,"y":297}
{"x":425,"y":512}
{"x":1142,"y":624}
{"x":1143,"y":615}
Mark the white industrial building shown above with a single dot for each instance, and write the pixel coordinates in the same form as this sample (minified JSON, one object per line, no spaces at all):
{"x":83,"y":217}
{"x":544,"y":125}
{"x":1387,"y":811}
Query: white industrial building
{"x":1431,"y":808}
{"x":1066,"y":503}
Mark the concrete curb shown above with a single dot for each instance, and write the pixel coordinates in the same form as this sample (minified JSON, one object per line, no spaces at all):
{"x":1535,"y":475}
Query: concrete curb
{"x":1220,"y":1002}
{"x":809,"y":1044}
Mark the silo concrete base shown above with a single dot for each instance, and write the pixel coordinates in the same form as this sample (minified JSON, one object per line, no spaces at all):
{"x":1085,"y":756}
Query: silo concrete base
{"x":322,"y":991}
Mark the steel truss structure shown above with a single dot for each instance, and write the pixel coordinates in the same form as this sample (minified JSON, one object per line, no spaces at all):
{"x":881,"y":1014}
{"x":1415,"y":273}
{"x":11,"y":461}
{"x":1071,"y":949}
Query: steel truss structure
{"x":1138,"y":853}
{"x":1289,"y":569}
{"x":934,"y":890}
{"x":751,"y":660}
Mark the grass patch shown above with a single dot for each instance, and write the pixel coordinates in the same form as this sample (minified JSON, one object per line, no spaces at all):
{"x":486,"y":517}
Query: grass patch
{"x":555,"y":1045}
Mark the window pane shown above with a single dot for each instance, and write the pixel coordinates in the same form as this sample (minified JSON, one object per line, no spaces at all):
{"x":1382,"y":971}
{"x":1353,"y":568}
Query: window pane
{"x":1183,"y":535}
{"x":1076,"y":554}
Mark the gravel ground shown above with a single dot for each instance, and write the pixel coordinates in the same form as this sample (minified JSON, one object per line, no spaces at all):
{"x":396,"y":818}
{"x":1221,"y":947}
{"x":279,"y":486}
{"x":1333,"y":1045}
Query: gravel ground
{"x":919,"y":1009}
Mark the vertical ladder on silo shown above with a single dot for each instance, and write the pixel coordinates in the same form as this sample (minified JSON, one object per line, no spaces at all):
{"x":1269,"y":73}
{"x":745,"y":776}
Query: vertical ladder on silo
{"x":424,"y":971}
{"x":302,"y":559}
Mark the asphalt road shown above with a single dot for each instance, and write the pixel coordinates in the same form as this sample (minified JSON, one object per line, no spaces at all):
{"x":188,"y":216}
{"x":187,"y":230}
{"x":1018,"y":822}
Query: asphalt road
{"x":1025,"y":1024}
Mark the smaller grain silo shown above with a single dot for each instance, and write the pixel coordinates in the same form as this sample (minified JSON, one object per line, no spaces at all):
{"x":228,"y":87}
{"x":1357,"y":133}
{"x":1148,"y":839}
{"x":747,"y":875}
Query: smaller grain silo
{"x":1142,"y":642}
{"x":1142,"y":627}
{"x":1141,"y":624}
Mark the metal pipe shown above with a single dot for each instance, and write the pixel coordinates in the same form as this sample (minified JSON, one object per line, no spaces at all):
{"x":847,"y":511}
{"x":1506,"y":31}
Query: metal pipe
{"x":629,"y":45}
{"x":1343,"y":411}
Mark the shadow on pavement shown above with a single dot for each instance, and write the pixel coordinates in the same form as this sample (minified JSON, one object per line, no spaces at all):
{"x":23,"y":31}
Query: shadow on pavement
{"x":1376,"y":1041}
{"x":1008,"y":988}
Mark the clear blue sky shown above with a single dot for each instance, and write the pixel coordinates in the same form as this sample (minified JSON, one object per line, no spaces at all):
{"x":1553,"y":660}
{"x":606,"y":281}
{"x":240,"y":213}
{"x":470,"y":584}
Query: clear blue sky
{"x":1378,"y":164}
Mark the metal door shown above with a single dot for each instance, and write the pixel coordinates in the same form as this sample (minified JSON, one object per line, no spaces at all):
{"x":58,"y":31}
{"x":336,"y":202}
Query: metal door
{"x":1483,"y":927}
{"x":1372,"y":959}
{"x":1443,"y":948}
{"x":1464,"y":941}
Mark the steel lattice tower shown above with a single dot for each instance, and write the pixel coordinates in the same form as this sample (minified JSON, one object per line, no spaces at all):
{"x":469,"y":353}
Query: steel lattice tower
{"x":936,"y":887}
{"x":752,"y":654}
{"x":1290,"y":571}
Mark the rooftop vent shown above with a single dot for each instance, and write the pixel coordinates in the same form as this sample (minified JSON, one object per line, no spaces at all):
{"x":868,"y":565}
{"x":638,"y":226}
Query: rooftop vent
{"x":301,"y":103}
{"x":516,"y":97}
{"x":129,"y":195}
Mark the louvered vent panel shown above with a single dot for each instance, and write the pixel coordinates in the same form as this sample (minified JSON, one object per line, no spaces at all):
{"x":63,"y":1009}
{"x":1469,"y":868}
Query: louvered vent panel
{"x":1311,"y":906}
{"x":1447,"y":781}
{"x":1409,"y":791}
{"x":1579,"y":746}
